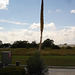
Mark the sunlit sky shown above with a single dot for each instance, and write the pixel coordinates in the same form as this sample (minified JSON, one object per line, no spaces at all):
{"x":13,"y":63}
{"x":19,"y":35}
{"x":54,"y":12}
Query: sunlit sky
{"x":20,"y":20}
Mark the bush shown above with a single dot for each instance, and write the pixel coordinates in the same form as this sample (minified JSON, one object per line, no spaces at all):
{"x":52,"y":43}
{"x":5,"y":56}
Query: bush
{"x":55,"y":47}
{"x":12,"y":71}
{"x":36,"y":66}
{"x":68,"y":47}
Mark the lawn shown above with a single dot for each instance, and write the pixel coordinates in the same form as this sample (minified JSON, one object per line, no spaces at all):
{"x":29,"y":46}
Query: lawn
{"x":49,"y":60}
{"x":47,"y":51}
{"x":60,"y":60}
{"x":59,"y":57}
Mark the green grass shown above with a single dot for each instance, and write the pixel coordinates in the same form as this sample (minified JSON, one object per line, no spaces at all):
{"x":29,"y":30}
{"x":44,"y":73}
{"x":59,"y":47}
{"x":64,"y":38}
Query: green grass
{"x":22,"y":59}
{"x":61,"y":57}
{"x":49,"y":60}
{"x":60,"y":60}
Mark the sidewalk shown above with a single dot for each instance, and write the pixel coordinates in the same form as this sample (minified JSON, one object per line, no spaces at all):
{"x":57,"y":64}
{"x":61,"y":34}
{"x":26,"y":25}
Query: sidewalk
{"x":51,"y":67}
{"x":61,"y":72}
{"x":61,"y":67}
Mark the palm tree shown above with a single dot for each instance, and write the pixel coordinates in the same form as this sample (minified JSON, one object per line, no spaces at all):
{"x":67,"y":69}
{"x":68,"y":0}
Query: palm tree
{"x":41,"y":24}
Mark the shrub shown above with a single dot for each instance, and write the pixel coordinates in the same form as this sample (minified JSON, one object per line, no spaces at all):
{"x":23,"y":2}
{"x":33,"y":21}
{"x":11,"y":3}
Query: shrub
{"x":36,"y":66}
{"x":68,"y":47}
{"x":55,"y":47}
{"x":12,"y":71}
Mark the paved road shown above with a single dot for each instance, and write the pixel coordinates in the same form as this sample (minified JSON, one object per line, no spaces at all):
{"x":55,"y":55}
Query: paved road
{"x":61,"y":72}
{"x":58,"y":70}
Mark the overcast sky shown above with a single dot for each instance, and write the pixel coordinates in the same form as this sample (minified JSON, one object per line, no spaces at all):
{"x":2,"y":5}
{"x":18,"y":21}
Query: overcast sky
{"x":20,"y":20}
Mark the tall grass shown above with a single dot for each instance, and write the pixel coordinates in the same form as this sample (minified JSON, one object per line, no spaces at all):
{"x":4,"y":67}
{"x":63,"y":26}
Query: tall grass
{"x":46,"y":51}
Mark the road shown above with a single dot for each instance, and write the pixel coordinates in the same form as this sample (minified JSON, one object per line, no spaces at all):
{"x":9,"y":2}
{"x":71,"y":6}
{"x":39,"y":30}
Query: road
{"x":58,"y":70}
{"x":61,"y":72}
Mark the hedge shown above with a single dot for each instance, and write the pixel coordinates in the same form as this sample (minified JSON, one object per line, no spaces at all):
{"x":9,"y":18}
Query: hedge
{"x":12,"y":71}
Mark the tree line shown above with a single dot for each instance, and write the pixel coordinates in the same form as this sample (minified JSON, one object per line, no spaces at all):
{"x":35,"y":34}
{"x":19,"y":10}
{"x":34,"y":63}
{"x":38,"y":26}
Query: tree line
{"x":48,"y":43}
{"x":25,"y":44}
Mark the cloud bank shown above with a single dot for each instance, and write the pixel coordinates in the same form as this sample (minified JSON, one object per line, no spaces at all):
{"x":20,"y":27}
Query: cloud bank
{"x":3,"y":4}
{"x":60,"y":36}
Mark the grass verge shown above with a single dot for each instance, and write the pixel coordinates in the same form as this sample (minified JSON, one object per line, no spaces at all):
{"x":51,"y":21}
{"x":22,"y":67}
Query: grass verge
{"x":49,"y":60}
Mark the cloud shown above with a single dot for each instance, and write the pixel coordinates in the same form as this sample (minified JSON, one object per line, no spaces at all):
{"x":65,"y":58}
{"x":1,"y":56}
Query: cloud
{"x":14,"y":22}
{"x":65,"y":35}
{"x":47,"y":26}
{"x":3,"y":4}
{"x":35,"y":25}
{"x":73,"y":11}
{"x":62,"y":36}
{"x":58,"y":10}
{"x":19,"y":34}
{"x":49,"y":11}
{"x":50,"y":25}
{"x":1,"y":28}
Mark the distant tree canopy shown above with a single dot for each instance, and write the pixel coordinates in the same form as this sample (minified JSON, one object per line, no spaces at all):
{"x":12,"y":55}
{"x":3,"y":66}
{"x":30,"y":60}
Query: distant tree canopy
{"x":48,"y":43}
{"x":33,"y":44}
{"x":25,"y":44}
{"x":20,"y":44}
{"x":68,"y":47}
{"x":6,"y":45}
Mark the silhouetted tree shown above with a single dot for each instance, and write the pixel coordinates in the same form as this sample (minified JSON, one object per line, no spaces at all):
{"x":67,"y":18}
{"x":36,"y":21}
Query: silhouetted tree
{"x":48,"y":43}
{"x":33,"y":44}
{"x":1,"y":46}
{"x":55,"y":47}
{"x":6,"y":45}
{"x":20,"y":44}
{"x":68,"y":47}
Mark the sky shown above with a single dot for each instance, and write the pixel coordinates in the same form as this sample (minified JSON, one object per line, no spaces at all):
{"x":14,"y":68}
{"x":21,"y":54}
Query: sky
{"x":20,"y":20}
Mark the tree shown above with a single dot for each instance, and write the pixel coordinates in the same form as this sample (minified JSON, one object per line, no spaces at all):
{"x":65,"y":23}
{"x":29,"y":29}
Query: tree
{"x":20,"y":44}
{"x":33,"y":44}
{"x":68,"y":47}
{"x":1,"y":46}
{"x":48,"y":43}
{"x":55,"y":47}
{"x":65,"y":43}
{"x":5,"y":45}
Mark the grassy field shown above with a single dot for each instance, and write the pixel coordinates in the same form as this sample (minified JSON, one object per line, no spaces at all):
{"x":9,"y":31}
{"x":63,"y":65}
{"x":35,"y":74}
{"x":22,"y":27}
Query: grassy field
{"x":49,"y":60}
{"x":61,"y":57}
{"x":47,"y":51}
